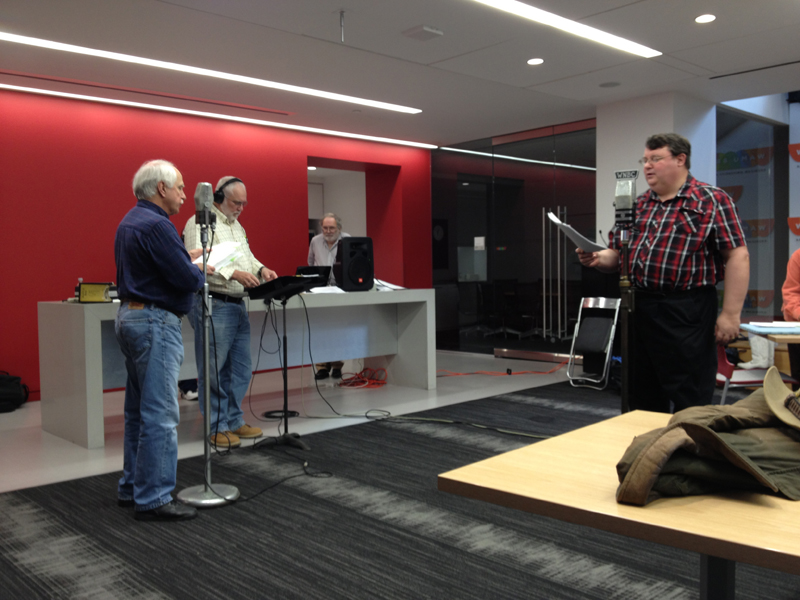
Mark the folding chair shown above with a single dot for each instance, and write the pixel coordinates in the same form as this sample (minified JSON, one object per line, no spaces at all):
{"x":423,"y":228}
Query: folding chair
{"x":593,"y":340}
{"x":728,"y":376}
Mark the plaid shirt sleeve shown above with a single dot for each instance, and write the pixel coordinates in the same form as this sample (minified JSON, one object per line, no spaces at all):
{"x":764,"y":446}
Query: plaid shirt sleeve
{"x":727,"y":226}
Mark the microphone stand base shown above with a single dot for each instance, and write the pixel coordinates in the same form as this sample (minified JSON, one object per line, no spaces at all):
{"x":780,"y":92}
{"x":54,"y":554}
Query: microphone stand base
{"x":204,"y":496}
{"x":288,"y":439}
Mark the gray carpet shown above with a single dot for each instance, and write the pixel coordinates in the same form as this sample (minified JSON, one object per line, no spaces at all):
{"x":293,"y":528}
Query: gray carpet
{"x":377,"y":528}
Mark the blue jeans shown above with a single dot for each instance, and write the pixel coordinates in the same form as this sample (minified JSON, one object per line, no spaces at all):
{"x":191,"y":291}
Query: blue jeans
{"x":150,"y":339}
{"x":229,"y":343}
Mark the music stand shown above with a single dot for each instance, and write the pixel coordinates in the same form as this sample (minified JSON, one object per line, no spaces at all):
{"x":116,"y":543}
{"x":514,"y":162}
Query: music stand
{"x":283,"y":288}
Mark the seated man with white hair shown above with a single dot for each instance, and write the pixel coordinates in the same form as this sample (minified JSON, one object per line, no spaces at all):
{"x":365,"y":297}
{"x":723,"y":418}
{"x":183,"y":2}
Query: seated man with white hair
{"x":322,"y":253}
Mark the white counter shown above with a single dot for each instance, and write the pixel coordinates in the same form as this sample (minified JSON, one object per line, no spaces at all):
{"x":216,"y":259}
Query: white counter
{"x":79,"y":356}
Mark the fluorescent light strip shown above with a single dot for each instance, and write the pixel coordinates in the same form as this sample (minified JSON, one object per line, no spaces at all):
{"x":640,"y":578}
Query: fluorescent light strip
{"x":590,"y":33}
{"x":30,"y":41}
{"x":220,"y":117}
{"x":525,"y":160}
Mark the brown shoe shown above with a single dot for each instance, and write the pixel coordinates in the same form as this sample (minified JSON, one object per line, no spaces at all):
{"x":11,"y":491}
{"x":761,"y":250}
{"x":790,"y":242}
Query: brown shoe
{"x":225,"y":439}
{"x":247,"y":432}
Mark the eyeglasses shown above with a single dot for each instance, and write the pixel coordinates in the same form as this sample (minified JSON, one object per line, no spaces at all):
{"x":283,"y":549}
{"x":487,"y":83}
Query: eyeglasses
{"x":330,"y":229}
{"x":238,"y":203}
{"x":652,"y":160}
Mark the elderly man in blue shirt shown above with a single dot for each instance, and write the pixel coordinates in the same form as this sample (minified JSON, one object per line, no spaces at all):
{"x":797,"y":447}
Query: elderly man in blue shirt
{"x":157,"y":282}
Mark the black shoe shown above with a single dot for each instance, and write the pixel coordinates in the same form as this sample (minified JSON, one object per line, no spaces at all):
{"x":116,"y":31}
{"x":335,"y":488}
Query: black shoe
{"x":174,"y":511}
{"x":336,"y":373}
{"x":321,"y":374}
{"x":125,"y":503}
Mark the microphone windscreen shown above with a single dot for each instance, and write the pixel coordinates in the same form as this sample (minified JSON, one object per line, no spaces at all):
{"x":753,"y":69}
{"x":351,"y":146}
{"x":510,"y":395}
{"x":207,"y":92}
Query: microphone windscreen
{"x":203,"y":196}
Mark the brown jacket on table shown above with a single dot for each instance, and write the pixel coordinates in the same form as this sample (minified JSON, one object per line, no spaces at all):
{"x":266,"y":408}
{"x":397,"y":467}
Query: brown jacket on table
{"x":708,"y":449}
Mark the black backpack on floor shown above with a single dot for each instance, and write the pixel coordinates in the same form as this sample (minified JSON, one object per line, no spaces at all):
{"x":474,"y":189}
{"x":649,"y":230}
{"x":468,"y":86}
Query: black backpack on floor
{"x":13,"y":393}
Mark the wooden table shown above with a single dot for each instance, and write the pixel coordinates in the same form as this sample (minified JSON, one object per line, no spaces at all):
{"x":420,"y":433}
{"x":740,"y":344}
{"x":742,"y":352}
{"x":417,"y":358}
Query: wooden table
{"x":572,"y":477}
{"x":784,"y":338}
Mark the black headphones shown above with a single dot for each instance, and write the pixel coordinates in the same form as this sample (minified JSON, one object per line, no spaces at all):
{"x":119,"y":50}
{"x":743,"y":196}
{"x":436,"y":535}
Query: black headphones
{"x":219,"y":195}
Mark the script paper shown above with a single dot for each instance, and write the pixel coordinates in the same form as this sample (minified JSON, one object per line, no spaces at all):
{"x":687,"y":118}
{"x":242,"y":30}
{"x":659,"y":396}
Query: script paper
{"x":580,"y":241}
{"x":385,"y":286}
{"x":221,"y":254}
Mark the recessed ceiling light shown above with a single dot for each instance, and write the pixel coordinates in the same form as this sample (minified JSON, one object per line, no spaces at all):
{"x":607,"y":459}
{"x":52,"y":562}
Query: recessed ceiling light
{"x":590,"y":33}
{"x":312,"y":168}
{"x":210,"y":115}
{"x":465,"y":183}
{"x":610,"y":84}
{"x":21,"y":39}
{"x":705,"y":19}
{"x":535,"y":61}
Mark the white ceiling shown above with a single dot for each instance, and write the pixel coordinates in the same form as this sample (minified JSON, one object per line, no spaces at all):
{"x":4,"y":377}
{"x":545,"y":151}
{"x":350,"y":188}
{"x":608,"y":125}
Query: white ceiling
{"x":473,"y":82}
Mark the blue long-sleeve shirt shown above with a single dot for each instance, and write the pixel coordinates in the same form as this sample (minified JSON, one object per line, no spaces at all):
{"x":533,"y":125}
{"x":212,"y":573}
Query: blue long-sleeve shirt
{"x":152,"y":264}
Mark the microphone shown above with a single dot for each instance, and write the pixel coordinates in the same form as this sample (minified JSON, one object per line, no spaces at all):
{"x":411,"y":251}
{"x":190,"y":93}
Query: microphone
{"x":203,"y":198}
{"x":624,"y":198}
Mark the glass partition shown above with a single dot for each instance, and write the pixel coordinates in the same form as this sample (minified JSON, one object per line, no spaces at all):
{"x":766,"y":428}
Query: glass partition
{"x":752,"y":159}
{"x":504,"y":276}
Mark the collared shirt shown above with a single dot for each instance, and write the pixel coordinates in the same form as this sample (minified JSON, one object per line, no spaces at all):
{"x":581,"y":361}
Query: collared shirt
{"x":675,"y":245}
{"x":152,"y":265}
{"x":322,"y":255}
{"x":226,"y":231}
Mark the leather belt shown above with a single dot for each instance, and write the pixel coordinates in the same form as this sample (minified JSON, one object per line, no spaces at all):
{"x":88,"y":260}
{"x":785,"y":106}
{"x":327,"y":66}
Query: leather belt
{"x":225,"y":297}
{"x":177,"y":314}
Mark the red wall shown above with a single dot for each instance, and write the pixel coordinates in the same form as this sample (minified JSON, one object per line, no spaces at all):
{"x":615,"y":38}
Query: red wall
{"x":67,"y":168}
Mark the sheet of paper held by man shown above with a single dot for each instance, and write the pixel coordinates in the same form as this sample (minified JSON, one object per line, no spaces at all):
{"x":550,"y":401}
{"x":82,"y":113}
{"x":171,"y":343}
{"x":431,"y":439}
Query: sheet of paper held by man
{"x":221,"y":254}
{"x":582,"y":242}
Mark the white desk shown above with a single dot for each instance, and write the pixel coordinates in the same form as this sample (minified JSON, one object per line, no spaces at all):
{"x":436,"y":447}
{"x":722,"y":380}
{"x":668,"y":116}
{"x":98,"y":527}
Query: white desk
{"x":79,"y":356}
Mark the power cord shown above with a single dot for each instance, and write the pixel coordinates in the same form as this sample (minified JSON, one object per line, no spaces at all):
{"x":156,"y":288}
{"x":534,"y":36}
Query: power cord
{"x":272,"y":441}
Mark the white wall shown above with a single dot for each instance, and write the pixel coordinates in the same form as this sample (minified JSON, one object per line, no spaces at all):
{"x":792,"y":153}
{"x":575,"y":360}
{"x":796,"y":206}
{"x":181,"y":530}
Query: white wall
{"x":773,"y":108}
{"x":623,"y":127}
{"x":343,"y":193}
{"x":316,"y":199}
{"x":696,"y":120}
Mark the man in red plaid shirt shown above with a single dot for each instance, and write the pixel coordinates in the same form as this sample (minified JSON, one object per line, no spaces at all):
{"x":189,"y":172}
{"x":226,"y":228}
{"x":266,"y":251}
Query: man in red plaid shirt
{"x":686,"y":238}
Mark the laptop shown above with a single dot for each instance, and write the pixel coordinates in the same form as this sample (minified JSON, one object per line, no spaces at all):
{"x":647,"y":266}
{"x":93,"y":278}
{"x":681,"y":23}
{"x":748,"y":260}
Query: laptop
{"x":306,"y":271}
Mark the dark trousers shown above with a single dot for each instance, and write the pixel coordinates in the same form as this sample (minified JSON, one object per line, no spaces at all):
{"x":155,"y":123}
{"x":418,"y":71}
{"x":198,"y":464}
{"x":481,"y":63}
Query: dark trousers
{"x":674,"y":350}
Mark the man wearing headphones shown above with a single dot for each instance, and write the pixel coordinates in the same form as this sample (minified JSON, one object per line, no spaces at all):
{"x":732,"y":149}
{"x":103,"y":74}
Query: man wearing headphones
{"x":230,"y":326}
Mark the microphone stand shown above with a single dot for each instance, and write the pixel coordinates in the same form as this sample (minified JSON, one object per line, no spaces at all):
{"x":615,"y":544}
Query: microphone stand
{"x":627,"y":333}
{"x":206,"y":496}
{"x":625,"y":200}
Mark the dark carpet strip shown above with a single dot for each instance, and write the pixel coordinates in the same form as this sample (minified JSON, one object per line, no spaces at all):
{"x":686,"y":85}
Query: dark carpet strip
{"x":377,"y":529}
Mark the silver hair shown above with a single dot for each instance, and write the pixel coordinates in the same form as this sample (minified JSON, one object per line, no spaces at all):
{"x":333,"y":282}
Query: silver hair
{"x":145,"y":182}
{"x":333,"y":216}
{"x":227,"y":190}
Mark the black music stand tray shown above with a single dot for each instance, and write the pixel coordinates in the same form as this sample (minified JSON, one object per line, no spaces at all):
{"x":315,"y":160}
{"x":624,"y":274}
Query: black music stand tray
{"x":283,"y":288}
